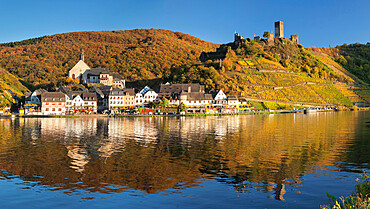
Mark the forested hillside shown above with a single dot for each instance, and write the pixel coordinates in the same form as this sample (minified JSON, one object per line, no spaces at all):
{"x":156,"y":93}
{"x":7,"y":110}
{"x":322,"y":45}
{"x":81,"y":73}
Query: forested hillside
{"x":135,"y":54}
{"x":9,"y":81}
{"x":354,"y":57}
{"x":281,"y":71}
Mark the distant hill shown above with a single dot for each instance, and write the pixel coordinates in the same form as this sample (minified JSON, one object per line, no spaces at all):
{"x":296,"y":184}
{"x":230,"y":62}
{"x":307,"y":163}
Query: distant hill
{"x":355,"y":58}
{"x":283,"y":72}
{"x":277,"y":74}
{"x":135,"y":54}
{"x":9,"y":81}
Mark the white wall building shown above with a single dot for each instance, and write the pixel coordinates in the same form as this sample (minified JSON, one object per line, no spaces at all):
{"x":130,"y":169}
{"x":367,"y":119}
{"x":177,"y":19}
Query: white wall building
{"x":145,"y":96}
{"x":53,"y":103}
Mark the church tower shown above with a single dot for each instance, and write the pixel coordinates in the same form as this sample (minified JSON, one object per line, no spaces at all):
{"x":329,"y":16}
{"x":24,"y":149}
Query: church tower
{"x":279,"y":29}
{"x":82,"y":55}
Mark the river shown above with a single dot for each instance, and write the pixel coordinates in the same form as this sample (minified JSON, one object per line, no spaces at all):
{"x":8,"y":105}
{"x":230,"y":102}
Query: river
{"x":246,"y":161}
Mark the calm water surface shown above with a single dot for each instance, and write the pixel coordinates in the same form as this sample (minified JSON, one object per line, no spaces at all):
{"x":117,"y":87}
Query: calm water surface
{"x":250,"y":161}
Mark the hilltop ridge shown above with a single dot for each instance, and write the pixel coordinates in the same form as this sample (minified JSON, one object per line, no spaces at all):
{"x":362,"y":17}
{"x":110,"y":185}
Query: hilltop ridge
{"x":277,"y":70}
{"x":135,"y":54}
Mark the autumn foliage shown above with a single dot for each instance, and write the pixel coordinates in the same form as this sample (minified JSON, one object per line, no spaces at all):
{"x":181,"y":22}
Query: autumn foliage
{"x":135,"y":54}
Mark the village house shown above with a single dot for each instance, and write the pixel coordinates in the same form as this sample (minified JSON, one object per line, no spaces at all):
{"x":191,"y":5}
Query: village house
{"x":53,"y":103}
{"x":90,"y":102}
{"x":74,"y":104}
{"x":172,"y":91}
{"x":121,"y":99}
{"x":145,"y":96}
{"x":86,"y":75}
{"x":195,"y":98}
{"x":233,"y":100}
{"x":102,"y":99}
{"x":129,"y":99}
{"x":33,"y":100}
{"x":80,"y":70}
{"x":219,"y":98}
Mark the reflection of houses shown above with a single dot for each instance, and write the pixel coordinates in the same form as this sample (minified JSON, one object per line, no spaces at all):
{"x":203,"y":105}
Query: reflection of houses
{"x":53,"y":103}
{"x":79,"y":156}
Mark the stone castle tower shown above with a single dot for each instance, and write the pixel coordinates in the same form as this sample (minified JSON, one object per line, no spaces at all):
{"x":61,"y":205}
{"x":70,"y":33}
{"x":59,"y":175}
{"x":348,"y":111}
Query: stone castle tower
{"x":279,"y":29}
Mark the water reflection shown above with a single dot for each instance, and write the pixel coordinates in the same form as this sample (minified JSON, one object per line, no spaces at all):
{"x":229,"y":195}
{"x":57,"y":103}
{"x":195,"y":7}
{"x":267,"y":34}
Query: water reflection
{"x":256,"y":152}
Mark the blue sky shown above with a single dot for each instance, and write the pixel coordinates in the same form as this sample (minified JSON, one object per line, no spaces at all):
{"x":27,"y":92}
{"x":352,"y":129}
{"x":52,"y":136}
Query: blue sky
{"x":318,"y":22}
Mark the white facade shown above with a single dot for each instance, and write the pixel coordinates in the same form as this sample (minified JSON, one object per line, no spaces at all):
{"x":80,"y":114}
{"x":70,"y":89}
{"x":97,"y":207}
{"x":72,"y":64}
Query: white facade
{"x":78,"y":103}
{"x":197,"y":102}
{"x":79,"y":71}
{"x":53,"y":105}
{"x":75,"y":102}
{"x":233,"y":100}
{"x":138,"y":99}
{"x":145,"y":96}
{"x":116,"y":101}
{"x":220,"y":95}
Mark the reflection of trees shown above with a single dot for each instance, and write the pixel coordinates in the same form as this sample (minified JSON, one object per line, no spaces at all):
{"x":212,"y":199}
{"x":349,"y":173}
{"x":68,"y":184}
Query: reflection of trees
{"x":276,"y":149}
{"x":358,"y":151}
{"x":154,"y":154}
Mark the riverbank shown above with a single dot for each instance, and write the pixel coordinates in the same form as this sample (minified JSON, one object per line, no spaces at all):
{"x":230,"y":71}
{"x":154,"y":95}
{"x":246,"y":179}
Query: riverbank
{"x":360,"y":198}
{"x":305,"y":111}
{"x":197,"y":115}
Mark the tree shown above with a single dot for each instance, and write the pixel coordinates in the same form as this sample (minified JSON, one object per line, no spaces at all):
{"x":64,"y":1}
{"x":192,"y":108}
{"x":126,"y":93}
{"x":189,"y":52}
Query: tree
{"x":266,"y":34}
{"x":165,"y":102}
{"x":69,"y":80}
{"x":181,"y":108}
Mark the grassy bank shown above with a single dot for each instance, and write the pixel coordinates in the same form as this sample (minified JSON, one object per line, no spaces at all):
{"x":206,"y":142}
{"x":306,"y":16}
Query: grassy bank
{"x":360,"y":198}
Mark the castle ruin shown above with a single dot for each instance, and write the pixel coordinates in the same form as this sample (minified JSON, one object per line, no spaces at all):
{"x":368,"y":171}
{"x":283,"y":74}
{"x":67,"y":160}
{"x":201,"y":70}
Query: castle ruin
{"x":279,"y":29}
{"x":279,"y":34}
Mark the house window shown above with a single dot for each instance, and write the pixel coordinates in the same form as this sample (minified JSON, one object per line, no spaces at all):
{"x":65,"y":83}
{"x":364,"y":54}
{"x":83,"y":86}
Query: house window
{"x":59,"y":109}
{"x":53,"y":110}
{"x":46,"y":109}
